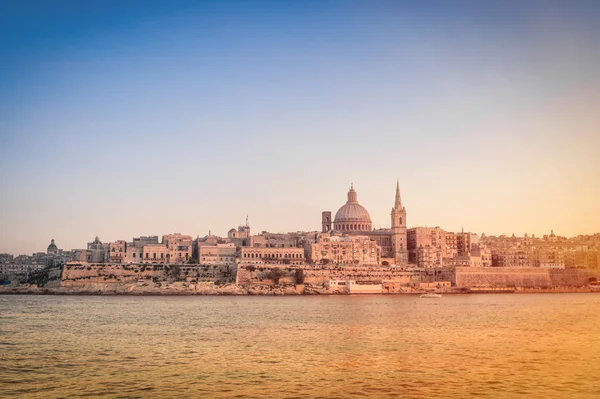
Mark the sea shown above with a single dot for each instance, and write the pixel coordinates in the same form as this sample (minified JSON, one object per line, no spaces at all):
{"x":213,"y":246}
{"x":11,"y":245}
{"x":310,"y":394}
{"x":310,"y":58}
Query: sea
{"x":371,"y":346}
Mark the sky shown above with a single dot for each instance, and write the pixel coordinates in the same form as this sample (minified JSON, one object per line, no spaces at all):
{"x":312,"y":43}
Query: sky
{"x":128,"y":118}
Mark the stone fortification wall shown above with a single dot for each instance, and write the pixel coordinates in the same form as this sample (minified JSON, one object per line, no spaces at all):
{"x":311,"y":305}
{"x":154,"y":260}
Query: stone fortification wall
{"x":432,"y":275}
{"x":525,"y":277}
{"x":572,"y":277}
{"x":318,"y":275}
{"x":81,"y":274}
{"x":522,"y":277}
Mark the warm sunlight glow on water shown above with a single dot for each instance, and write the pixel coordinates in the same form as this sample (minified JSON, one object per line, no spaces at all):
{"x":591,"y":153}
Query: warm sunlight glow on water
{"x":300,"y":347}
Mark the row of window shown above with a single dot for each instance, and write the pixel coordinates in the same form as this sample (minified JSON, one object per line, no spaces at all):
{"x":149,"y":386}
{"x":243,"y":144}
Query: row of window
{"x":354,"y":226}
{"x":286,"y":256}
{"x":162,"y":255}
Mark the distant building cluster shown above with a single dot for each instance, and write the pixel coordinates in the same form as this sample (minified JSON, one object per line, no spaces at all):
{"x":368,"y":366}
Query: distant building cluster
{"x":348,"y":238}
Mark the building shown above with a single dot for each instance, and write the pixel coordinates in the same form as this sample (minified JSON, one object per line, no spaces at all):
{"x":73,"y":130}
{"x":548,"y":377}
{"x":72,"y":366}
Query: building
{"x":154,"y":253}
{"x":52,"y":248}
{"x":134,"y":251}
{"x":364,"y":287}
{"x":428,"y":256}
{"x":116,"y":251}
{"x":218,"y":254}
{"x":463,"y":243}
{"x":271,"y":256}
{"x":144,"y":240}
{"x":433,"y":239}
{"x":353,"y":219}
{"x":179,"y":248}
{"x":510,"y":257}
{"x":342,"y":249}
{"x":133,"y":254}
{"x":451,"y":245}
{"x":279,"y":240}
{"x":241,"y":236}
{"x":15,"y":271}
{"x":95,"y":251}
{"x":354,"y":287}
{"x":483,"y":253}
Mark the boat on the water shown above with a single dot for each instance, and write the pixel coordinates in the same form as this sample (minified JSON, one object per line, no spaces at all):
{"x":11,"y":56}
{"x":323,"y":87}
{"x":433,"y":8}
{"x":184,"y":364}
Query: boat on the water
{"x":431,"y":295}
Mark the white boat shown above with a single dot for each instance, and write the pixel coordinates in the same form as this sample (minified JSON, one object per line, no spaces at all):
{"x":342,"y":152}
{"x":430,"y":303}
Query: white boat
{"x":431,"y":295}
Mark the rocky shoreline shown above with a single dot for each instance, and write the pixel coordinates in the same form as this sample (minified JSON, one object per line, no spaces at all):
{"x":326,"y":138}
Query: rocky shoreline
{"x":182,"y":289}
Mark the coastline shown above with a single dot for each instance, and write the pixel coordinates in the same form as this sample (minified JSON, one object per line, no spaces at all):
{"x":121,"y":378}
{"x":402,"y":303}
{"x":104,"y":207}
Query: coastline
{"x":232,"y":290}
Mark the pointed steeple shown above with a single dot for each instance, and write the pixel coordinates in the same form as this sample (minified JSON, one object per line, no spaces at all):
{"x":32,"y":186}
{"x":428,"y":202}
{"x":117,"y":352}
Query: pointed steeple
{"x":398,"y":203}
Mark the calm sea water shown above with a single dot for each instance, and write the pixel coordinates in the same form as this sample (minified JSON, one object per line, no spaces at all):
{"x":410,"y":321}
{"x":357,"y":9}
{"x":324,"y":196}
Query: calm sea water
{"x":300,"y":347}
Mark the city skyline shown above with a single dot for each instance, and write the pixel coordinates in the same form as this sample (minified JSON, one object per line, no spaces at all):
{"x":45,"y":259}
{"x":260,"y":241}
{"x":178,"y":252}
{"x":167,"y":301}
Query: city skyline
{"x":246,"y":223}
{"x":145,"y":119}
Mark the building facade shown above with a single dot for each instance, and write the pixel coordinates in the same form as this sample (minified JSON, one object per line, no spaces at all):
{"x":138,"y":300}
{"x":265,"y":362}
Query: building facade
{"x":353,"y":219}
{"x":344,"y":250}
{"x":271,"y":256}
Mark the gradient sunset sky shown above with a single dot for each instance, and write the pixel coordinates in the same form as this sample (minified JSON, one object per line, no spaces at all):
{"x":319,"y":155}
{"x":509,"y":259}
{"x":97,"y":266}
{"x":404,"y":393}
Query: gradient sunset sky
{"x":129,"y":118}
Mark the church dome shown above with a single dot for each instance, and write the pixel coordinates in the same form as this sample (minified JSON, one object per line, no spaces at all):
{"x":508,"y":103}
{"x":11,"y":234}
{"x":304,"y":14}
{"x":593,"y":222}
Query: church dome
{"x":352,"y":216}
{"x":351,"y":213}
{"x":52,"y":248}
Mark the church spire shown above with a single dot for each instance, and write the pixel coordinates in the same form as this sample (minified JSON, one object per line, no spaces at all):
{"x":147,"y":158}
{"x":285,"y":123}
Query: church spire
{"x":398,"y":203}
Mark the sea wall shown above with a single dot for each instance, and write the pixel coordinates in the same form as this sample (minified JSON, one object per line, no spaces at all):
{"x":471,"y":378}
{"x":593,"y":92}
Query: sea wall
{"x":502,"y":277}
{"x":250,"y":274}
{"x":81,"y":274}
{"x":522,"y":277}
{"x":572,"y":277}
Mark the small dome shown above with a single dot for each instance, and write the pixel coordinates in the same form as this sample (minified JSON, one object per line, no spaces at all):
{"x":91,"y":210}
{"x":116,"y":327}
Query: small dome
{"x":52,"y":248}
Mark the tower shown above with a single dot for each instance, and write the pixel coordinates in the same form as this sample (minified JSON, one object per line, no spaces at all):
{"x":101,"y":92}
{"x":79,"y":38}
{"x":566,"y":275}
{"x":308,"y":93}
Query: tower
{"x":398,"y":216}
{"x":326,"y":221}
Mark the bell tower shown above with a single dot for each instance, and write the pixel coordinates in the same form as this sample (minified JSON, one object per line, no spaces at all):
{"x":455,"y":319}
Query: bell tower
{"x":326,"y":221}
{"x":398,"y":217}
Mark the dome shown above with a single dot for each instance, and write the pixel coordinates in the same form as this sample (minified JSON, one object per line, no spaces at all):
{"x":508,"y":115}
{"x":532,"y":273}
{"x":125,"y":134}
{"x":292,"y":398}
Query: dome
{"x":352,"y":216}
{"x":52,"y":248}
{"x":352,"y":213}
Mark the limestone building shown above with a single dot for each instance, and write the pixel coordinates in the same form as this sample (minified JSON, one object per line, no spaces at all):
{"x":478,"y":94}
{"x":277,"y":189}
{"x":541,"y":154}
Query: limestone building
{"x":271,"y":256}
{"x":179,"y":247}
{"x":353,"y":219}
{"x":241,"y":237}
{"x":217,"y":254}
{"x":344,"y":250}
{"x":116,"y":251}
{"x":432,"y":240}
{"x":96,"y":251}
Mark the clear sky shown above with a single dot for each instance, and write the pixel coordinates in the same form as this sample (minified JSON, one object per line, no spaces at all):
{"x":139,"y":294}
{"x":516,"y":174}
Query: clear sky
{"x":128,"y":118}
